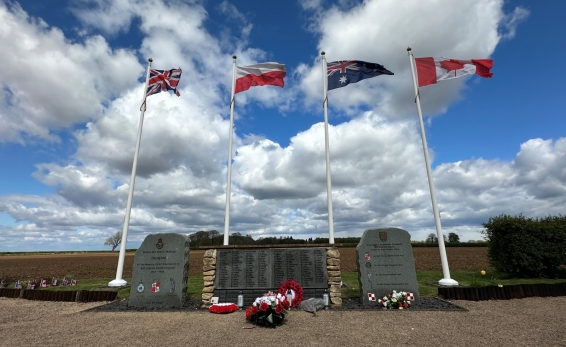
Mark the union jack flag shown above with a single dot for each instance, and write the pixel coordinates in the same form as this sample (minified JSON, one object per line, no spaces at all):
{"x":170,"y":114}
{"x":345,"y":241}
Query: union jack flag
{"x":160,"y":80}
{"x":341,"y":66}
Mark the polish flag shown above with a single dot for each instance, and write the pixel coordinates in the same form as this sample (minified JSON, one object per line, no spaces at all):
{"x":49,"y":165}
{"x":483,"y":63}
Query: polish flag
{"x":431,"y":70}
{"x":259,"y":75}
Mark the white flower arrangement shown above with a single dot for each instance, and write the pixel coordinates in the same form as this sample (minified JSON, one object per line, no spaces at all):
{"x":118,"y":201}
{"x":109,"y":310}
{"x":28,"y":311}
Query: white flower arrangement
{"x":396,"y":300}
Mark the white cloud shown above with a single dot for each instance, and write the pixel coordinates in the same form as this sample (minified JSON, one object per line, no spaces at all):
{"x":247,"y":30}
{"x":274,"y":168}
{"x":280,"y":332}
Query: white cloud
{"x":380,"y":31}
{"x":378,"y":173}
{"x":48,"y":82}
{"x":512,"y":20}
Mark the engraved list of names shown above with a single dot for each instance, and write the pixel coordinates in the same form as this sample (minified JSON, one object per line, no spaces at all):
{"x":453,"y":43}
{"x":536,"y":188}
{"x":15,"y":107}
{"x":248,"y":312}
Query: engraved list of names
{"x":267,"y":268}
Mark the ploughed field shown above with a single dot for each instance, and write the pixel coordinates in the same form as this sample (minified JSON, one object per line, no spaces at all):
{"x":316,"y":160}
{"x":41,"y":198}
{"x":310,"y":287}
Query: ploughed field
{"x":103,"y":265}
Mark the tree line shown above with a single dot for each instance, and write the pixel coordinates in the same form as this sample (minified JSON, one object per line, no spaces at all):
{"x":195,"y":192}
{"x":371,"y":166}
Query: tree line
{"x":213,"y":237}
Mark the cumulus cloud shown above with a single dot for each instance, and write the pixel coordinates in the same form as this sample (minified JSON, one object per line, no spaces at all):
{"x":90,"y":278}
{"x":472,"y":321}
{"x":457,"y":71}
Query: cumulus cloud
{"x":380,"y":31}
{"x":50,"y":83}
{"x":377,"y":165}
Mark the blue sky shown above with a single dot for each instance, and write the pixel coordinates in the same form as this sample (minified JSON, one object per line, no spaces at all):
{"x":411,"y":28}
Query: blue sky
{"x":72,"y":82}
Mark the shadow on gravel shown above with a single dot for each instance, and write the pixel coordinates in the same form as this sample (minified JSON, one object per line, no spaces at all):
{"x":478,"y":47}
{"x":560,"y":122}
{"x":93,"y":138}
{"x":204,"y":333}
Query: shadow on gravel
{"x":348,"y":304}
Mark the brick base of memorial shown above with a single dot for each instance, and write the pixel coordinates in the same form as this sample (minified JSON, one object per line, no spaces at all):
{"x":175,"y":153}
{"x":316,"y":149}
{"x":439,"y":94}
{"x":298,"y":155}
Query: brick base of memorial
{"x":227,"y":270}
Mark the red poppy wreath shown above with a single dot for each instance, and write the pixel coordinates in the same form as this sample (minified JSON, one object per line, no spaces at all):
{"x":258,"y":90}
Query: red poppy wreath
{"x":223,"y":308}
{"x":296,"y":291}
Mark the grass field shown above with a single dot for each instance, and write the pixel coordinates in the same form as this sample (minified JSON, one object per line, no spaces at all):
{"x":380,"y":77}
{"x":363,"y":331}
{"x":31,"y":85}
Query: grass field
{"x":94,"y":270}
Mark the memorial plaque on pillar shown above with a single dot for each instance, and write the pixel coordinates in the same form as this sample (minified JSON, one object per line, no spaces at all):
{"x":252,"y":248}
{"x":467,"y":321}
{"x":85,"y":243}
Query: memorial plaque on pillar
{"x":268,"y":268}
{"x":160,"y":272}
{"x":386,"y":263}
{"x":320,"y":272}
{"x":293,"y":266}
{"x":264,"y":274}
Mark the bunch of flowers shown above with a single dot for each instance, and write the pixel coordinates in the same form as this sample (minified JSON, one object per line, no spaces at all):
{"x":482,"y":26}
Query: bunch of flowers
{"x":396,"y":300}
{"x":268,"y":310}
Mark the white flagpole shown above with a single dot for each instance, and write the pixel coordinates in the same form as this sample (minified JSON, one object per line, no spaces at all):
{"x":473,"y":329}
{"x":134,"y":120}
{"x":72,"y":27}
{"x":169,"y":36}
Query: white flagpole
{"x":446,"y":281}
{"x":118,"y":282}
{"x":326,"y":146}
{"x":229,"y":178}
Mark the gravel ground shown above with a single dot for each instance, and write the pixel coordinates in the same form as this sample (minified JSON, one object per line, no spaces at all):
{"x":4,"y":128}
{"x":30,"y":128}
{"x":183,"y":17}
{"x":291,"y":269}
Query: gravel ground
{"x":525,"y":322}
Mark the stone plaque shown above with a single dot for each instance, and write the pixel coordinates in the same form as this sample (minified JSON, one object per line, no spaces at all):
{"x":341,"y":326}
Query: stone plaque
{"x":268,"y":268}
{"x":386,"y":263}
{"x":160,"y":272}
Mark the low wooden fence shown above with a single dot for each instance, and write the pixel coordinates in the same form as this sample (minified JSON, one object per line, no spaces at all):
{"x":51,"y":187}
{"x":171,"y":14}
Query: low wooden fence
{"x":516,"y":291}
{"x":67,"y":295}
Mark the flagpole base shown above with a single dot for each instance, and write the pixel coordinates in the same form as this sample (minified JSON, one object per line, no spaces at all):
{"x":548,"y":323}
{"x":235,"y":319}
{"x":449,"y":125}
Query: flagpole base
{"x":447,"y":282}
{"x":117,"y":283}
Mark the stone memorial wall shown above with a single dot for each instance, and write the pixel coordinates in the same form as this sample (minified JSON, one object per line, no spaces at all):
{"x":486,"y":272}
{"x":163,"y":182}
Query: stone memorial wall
{"x":385,"y":263}
{"x":257,"y":270}
{"x":160,"y":272}
{"x":267,"y":268}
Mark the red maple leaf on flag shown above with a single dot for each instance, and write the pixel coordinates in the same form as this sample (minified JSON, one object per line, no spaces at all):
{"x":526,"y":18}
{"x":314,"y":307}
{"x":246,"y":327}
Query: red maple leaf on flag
{"x":452,"y":65}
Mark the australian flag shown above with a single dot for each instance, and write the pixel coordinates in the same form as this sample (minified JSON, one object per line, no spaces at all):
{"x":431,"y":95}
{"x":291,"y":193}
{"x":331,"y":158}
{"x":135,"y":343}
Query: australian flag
{"x":343,"y":72}
{"x":160,"y":80}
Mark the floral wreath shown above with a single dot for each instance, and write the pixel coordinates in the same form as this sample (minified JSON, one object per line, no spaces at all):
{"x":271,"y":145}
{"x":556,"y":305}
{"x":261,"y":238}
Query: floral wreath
{"x":296,"y":291}
{"x":223,"y":308}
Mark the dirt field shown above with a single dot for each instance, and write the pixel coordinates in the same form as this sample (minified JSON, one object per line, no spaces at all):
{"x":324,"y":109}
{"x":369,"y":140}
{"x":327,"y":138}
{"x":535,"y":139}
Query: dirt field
{"x":103,"y":265}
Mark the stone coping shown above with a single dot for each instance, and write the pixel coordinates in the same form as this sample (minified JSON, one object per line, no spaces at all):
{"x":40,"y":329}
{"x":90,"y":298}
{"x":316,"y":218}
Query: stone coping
{"x":272,"y":246}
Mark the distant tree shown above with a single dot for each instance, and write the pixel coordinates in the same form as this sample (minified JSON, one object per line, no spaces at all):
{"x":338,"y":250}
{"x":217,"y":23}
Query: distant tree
{"x":114,"y":240}
{"x":453,"y":237}
{"x":200,"y":238}
{"x":432,"y":238}
{"x":213,"y":235}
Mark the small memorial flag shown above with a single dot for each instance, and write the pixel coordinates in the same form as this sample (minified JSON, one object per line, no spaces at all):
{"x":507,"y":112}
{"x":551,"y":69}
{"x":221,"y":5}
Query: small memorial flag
{"x":155,"y":287}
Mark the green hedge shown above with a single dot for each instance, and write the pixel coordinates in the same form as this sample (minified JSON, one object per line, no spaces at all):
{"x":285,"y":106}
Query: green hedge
{"x":527,"y":247}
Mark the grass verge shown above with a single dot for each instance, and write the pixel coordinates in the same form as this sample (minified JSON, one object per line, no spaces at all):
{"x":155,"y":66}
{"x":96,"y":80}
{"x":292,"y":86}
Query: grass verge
{"x":463,"y":277}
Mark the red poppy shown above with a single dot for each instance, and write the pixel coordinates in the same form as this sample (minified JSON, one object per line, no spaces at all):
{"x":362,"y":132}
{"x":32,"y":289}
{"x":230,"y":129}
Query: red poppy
{"x":296,"y":287}
{"x":285,"y":303}
{"x":278,"y":309}
{"x":264,"y":306}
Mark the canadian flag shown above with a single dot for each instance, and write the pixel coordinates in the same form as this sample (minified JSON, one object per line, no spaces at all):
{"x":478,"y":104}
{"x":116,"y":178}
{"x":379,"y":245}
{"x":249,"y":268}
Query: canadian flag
{"x":431,"y":70}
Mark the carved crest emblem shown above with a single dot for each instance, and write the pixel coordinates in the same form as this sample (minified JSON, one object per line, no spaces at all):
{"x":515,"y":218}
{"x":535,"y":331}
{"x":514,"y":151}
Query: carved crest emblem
{"x":383,"y":236}
{"x":159,"y":243}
